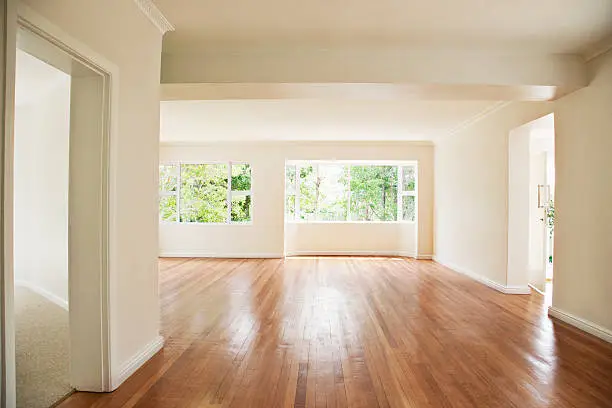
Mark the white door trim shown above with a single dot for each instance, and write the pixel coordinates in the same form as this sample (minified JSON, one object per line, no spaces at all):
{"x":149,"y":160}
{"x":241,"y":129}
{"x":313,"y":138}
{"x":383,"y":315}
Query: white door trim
{"x":30,"y":20}
{"x":8,"y":40}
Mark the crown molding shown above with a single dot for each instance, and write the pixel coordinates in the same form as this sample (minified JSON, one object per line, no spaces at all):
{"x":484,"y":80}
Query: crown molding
{"x":150,"y":10}
{"x":494,"y":107}
{"x":598,"y":49}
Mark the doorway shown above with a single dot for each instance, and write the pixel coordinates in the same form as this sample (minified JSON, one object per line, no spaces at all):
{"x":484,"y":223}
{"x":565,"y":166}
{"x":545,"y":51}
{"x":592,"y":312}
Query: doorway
{"x":57,"y":297}
{"x":531,"y":189}
{"x":40,"y":248}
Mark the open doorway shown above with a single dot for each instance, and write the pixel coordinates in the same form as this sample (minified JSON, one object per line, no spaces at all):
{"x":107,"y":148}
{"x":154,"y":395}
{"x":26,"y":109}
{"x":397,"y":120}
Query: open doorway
{"x":542,"y":207}
{"x":531,"y":190}
{"x":57,"y":311}
{"x":42,"y":133}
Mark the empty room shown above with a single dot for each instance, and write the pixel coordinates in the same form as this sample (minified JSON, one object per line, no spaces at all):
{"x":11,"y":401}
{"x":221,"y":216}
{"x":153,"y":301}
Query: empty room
{"x":306,"y":204}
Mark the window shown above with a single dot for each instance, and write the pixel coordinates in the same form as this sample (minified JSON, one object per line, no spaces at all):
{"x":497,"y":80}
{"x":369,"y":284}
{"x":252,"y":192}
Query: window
{"x":205,"y":192}
{"x":318,"y":191}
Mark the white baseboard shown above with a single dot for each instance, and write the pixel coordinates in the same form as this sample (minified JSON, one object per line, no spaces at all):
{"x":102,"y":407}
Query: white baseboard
{"x":246,"y":255}
{"x":134,"y":363}
{"x":426,"y":257}
{"x":509,"y":290}
{"x":517,"y":290}
{"x":536,"y":289}
{"x":205,"y":254}
{"x":581,"y":324}
{"x":44,"y":293}
{"x":351,"y":253}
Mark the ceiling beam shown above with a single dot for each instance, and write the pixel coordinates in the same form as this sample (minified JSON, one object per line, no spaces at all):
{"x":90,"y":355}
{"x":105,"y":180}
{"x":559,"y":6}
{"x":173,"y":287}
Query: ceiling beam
{"x":271,"y":73}
{"x":348,"y":91}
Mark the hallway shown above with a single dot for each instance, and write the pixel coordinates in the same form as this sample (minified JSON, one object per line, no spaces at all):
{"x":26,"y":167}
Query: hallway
{"x":355,"y":332}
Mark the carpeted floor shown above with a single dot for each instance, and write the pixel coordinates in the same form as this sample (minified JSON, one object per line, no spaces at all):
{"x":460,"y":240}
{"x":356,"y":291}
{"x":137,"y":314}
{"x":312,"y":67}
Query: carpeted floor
{"x":42,"y":348}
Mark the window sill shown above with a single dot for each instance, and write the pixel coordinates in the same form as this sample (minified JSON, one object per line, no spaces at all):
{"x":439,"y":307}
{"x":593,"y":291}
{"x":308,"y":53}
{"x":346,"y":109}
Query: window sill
{"x":207,"y":224}
{"x":349,"y":222}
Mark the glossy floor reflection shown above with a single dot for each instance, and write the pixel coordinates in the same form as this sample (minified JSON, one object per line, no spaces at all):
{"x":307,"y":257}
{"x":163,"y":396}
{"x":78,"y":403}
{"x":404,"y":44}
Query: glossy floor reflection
{"x":356,"y":332}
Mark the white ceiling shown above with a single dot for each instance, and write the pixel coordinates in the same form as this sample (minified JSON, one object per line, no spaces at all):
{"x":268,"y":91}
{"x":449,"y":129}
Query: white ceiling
{"x":312,"y":120}
{"x":544,"y":26}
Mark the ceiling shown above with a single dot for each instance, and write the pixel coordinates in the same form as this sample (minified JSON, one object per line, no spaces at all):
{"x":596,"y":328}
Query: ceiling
{"x":542,"y":26}
{"x":313,"y":120}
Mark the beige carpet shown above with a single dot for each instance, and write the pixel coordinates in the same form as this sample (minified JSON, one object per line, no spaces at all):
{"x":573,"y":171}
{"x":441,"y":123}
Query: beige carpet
{"x":42,"y":346}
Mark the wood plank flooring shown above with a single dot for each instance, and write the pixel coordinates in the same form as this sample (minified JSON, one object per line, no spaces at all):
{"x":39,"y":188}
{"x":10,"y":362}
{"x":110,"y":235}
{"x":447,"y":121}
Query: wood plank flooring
{"x":359,"y":333}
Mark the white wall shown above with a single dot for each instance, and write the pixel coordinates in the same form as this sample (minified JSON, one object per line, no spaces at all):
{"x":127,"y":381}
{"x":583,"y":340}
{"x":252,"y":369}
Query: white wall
{"x":583,"y":193}
{"x":471,"y":181}
{"x":376,"y":238}
{"x":519,"y":209}
{"x":537,"y":226}
{"x":471,"y":196}
{"x":42,"y":131}
{"x":265,"y":237}
{"x":119,"y":32}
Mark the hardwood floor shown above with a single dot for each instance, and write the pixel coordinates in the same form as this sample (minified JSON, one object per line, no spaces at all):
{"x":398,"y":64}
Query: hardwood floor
{"x":356,"y":332}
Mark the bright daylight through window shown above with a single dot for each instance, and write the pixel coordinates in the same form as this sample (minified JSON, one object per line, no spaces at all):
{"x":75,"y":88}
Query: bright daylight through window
{"x":319,"y":191}
{"x":205,"y":192}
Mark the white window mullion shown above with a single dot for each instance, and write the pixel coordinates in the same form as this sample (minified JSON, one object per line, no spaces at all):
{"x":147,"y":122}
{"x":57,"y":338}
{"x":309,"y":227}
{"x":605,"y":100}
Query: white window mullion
{"x":241,"y":193}
{"x":297,"y":192}
{"x":317,"y":193}
{"x":178,"y":193}
{"x":348,"y":210}
{"x":400,"y":191}
{"x":229,"y":193}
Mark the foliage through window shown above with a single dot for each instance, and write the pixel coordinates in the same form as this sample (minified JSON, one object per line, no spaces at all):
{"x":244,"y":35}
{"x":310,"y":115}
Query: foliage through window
{"x":350,"y":192}
{"x":205,"y":192}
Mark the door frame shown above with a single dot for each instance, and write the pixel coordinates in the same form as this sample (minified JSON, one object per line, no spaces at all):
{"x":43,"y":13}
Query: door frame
{"x":22,"y":16}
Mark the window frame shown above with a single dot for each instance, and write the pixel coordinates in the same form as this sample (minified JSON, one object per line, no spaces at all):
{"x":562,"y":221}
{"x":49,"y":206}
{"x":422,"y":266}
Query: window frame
{"x":316,"y":163}
{"x":229,"y":195}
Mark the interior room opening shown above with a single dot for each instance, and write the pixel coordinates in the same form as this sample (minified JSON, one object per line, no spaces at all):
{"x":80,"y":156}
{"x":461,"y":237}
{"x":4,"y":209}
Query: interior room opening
{"x":531,"y":205}
{"x":42,"y":133}
{"x":58,"y":183}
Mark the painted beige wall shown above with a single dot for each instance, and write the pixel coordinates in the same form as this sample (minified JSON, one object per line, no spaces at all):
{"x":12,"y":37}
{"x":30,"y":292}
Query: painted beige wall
{"x":42,"y":133}
{"x":471,"y":195}
{"x":377,"y":238}
{"x":583,"y":243}
{"x":119,"y":32}
{"x":471,"y":189}
{"x":265,"y":237}
{"x":519,"y":206}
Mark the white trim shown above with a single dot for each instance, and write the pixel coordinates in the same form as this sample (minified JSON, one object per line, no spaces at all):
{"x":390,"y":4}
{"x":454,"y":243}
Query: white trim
{"x":136,"y":361}
{"x":598,"y":49}
{"x":158,"y":19}
{"x":582,"y":324}
{"x":63,"y":303}
{"x":427,"y":257}
{"x":494,"y":107}
{"x":205,"y":254}
{"x":8,"y":28}
{"x":301,"y":222}
{"x":517,"y":290}
{"x":351,"y":253}
{"x":509,"y":290}
{"x":536,"y":289}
